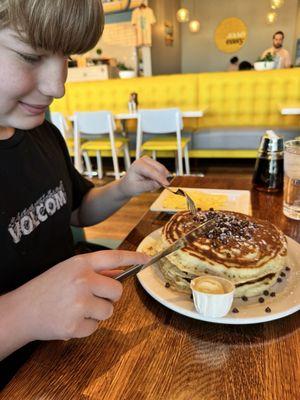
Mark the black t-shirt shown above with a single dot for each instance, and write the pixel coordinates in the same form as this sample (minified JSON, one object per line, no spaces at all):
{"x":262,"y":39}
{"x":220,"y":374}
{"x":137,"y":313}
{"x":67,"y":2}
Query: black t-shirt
{"x":39,"y":190}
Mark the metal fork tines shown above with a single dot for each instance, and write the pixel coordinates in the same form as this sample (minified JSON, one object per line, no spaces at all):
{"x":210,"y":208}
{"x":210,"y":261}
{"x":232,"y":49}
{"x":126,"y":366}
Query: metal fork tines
{"x":190,"y":203}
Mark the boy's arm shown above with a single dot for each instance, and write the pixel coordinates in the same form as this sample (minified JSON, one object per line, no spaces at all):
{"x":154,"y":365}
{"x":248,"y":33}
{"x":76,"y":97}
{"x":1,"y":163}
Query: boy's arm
{"x":144,"y":175}
{"x":13,"y":326}
{"x":98,"y":204}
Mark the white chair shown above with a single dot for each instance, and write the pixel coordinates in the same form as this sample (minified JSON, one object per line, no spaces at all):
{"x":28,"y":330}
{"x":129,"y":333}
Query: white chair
{"x":162,"y":121}
{"x":92,"y":124}
{"x":60,"y":122}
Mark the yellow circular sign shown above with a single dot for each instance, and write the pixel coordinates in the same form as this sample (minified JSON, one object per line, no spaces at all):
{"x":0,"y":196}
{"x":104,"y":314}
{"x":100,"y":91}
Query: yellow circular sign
{"x":231,"y":35}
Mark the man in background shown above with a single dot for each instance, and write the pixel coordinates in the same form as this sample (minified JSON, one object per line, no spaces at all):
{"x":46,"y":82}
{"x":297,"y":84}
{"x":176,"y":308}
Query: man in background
{"x":281,"y":56}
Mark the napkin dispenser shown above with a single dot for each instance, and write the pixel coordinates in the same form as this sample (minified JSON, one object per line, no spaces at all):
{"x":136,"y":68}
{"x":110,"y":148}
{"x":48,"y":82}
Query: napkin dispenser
{"x":268,"y":172}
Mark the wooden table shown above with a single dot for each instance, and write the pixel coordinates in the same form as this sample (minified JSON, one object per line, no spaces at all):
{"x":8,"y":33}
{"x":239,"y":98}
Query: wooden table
{"x":146,"y":351}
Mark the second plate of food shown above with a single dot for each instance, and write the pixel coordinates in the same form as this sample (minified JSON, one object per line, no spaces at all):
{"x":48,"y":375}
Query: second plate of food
{"x":219,"y":199}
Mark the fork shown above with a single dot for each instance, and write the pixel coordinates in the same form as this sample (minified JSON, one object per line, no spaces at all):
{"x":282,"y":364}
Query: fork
{"x":190,"y":203}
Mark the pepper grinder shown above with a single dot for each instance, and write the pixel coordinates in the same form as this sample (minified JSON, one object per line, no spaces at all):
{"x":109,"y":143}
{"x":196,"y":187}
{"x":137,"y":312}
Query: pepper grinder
{"x":268,"y":172}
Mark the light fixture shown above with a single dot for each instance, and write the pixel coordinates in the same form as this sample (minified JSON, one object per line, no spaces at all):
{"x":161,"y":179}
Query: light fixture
{"x":194,"y":26}
{"x":183,"y":15}
{"x":275,"y":4}
{"x":271,"y":17}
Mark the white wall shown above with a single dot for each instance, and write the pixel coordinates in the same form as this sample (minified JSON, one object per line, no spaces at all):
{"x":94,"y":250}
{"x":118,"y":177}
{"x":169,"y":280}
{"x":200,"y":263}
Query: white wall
{"x":199,"y":52}
{"x":165,"y":59}
{"x":297,"y":27}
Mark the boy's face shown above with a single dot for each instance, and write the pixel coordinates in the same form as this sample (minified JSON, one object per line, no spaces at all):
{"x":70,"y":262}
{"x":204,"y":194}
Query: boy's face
{"x":29,"y":80}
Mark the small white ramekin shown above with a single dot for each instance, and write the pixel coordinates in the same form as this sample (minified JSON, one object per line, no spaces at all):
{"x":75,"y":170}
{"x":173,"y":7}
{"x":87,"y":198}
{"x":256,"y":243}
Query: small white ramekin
{"x":213,"y":305}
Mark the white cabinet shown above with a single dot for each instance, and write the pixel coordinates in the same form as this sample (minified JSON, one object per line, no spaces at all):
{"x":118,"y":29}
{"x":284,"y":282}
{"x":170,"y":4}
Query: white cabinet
{"x":94,"y":73}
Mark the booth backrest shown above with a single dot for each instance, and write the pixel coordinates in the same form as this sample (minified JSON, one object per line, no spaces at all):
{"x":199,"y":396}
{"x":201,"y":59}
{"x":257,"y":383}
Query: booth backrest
{"x":155,"y":92}
{"x":233,"y":99}
{"x":248,"y":98}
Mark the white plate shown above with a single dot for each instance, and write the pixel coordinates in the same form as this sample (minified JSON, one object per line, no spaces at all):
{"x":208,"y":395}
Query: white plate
{"x":286,"y":302}
{"x":238,"y":200}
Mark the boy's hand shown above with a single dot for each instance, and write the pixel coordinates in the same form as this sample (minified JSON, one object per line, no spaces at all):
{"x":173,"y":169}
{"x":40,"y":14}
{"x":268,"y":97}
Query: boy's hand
{"x":68,"y":300}
{"x":144,"y":175}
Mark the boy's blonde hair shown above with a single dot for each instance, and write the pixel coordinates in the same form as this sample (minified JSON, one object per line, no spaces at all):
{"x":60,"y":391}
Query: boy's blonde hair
{"x":59,"y":26}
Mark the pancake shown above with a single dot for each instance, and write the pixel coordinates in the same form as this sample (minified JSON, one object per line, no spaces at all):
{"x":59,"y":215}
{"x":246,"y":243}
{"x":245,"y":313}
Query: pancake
{"x":248,"y":251}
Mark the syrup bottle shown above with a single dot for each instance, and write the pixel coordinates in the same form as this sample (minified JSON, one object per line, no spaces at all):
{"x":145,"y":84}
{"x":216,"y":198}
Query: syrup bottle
{"x":268,"y":172}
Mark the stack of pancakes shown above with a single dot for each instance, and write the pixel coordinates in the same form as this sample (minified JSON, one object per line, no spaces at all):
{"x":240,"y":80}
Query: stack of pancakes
{"x":247,"y":251}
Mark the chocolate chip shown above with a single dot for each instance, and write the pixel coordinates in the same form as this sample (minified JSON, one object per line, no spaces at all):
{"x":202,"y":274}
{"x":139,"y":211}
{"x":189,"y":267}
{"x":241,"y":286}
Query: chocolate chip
{"x":211,"y":209}
{"x":192,"y":296}
{"x":245,"y":298}
{"x":282,"y":274}
{"x":287,"y":268}
{"x":266,"y":292}
{"x":268,"y":309}
{"x":261,"y":299}
{"x":235,"y":310}
{"x":272,"y":294}
{"x":279,"y":280}
{"x":167,"y":285}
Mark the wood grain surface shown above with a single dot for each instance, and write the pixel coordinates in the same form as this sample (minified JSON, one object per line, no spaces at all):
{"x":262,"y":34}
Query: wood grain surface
{"x":146,"y":351}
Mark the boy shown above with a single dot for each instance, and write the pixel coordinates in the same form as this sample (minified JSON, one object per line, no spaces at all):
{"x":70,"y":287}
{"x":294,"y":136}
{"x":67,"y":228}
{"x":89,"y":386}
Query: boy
{"x":46,"y":292}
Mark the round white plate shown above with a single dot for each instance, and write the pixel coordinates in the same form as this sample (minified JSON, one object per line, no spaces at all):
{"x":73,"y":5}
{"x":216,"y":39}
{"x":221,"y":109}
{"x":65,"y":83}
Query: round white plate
{"x":286,"y":301}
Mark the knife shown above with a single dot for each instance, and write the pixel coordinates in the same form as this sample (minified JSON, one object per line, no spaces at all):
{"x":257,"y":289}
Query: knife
{"x":178,"y":244}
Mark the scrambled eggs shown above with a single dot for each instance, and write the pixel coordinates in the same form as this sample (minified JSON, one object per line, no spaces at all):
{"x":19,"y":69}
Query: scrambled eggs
{"x":203,"y":200}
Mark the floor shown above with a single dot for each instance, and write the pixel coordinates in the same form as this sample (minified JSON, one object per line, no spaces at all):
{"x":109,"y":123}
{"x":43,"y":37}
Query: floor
{"x":123,"y":221}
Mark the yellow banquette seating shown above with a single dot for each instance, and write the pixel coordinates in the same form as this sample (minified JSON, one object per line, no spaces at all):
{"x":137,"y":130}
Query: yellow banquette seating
{"x":242,"y":99}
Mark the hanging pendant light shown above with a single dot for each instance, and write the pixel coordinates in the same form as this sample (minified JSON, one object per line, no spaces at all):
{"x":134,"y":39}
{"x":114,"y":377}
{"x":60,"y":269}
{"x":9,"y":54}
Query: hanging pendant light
{"x":271,"y":17}
{"x":275,"y":4}
{"x":194,"y":26}
{"x":183,"y":15}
